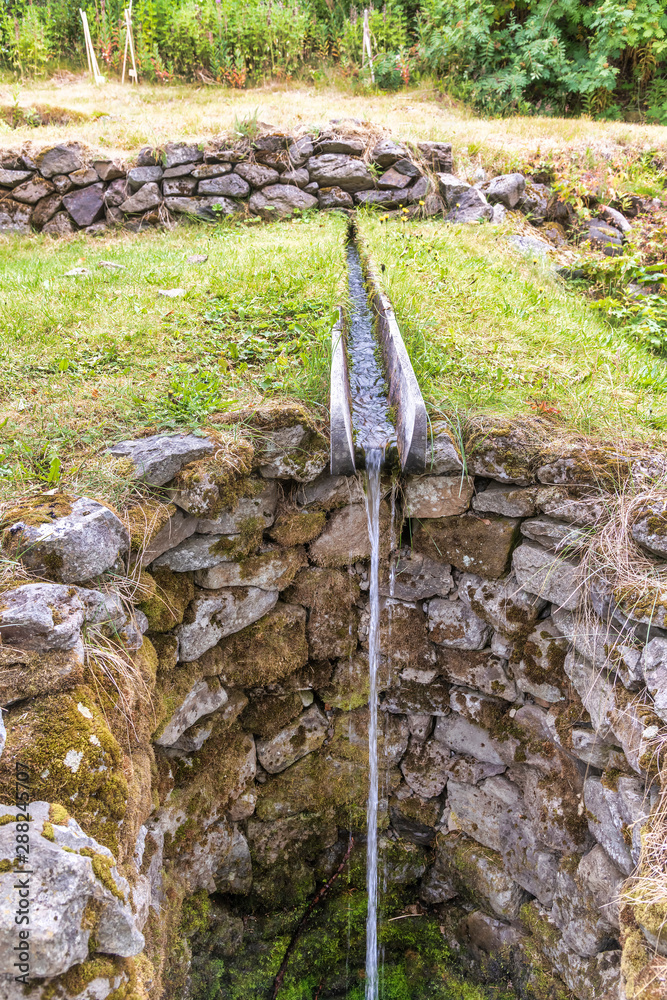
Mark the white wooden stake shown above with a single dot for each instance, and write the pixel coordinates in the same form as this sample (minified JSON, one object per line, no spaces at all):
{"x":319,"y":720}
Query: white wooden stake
{"x":366,"y":45}
{"x":93,"y":68}
{"x":129,"y":46}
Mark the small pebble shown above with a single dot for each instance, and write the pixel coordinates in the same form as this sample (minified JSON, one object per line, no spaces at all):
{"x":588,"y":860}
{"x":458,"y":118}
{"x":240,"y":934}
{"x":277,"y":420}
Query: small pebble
{"x":198,"y":258}
{"x":172,"y":293}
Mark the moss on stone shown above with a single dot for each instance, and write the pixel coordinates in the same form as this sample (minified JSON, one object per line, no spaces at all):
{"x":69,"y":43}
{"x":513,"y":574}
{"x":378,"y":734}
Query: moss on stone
{"x":102,"y":866}
{"x":146,"y":520}
{"x":40,"y":509}
{"x":266,"y":714}
{"x":636,"y":953}
{"x":58,"y":814}
{"x":172,"y":592}
{"x":7,"y":818}
{"x":262,"y":653}
{"x":216,"y":482}
{"x":6,"y":865}
{"x":166,"y":650}
{"x":78,"y":977}
{"x":47,"y":831}
{"x":297,"y":527}
{"x":53,"y":739}
{"x":239,"y":545}
{"x":195,"y":913}
{"x":170,"y":693}
{"x":215,"y":774}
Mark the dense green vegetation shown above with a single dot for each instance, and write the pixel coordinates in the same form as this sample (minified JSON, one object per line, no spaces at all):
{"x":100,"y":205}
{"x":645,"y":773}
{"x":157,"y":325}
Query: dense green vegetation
{"x":604,"y":58}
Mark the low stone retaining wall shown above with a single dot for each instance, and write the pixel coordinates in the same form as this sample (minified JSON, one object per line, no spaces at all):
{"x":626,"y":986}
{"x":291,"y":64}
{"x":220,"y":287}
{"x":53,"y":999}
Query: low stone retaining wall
{"x":198,"y":728}
{"x":65,"y":188}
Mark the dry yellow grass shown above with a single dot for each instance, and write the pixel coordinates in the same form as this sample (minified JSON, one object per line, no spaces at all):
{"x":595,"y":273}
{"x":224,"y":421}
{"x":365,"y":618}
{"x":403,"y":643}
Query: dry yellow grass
{"x":122,"y":119}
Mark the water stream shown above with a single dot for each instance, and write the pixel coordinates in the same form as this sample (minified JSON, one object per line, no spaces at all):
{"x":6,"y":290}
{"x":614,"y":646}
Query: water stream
{"x":374,"y":459}
{"x":375,"y":437}
{"x":371,"y":415}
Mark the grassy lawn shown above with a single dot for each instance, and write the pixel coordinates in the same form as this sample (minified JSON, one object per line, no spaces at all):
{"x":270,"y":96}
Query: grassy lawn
{"x":88,"y":359}
{"x":491,"y":329}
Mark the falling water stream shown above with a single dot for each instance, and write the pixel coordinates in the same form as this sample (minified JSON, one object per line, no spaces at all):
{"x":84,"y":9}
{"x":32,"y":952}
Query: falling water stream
{"x":376,"y":436}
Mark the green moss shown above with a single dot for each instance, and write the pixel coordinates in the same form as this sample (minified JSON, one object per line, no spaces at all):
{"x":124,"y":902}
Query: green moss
{"x":267,"y":651}
{"x":47,"y":832}
{"x":6,"y":865}
{"x":146,"y":520}
{"x":75,"y":761}
{"x":102,"y":866}
{"x":239,"y":545}
{"x":538,"y":926}
{"x":75,"y":980}
{"x":195,"y":913}
{"x":636,"y":953}
{"x":297,"y":527}
{"x":172,"y":592}
{"x":216,"y":483}
{"x":7,"y":818}
{"x":266,"y":714}
{"x":38,"y":510}
{"x":58,"y":814}
{"x":610,"y":778}
{"x":215,"y":774}
{"x":166,"y":650}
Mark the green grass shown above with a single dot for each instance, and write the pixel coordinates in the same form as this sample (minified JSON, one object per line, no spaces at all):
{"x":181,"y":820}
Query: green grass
{"x":488,"y":328}
{"x":88,"y":360}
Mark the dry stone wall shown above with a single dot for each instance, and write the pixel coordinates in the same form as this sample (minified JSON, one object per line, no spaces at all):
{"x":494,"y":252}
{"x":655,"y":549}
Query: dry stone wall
{"x":66,"y":188}
{"x":201,"y":731}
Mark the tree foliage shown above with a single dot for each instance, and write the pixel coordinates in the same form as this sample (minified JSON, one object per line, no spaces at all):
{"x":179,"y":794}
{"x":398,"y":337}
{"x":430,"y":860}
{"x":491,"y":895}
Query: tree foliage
{"x":601,"y":57}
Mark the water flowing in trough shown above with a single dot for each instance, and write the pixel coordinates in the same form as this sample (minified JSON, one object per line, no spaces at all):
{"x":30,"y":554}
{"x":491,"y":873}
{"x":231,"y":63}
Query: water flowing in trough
{"x":375,"y":435}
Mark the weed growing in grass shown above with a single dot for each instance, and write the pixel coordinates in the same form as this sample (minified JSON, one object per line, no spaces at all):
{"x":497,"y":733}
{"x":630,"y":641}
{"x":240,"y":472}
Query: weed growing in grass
{"x":189,"y":399}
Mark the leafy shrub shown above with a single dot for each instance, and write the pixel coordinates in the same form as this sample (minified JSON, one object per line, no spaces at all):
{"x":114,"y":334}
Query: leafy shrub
{"x":656,"y":100}
{"x":29,"y":46}
{"x":550,"y":56}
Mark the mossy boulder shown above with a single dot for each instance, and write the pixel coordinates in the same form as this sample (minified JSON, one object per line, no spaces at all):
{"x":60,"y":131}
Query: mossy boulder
{"x":206,"y":487}
{"x":472,"y":544}
{"x":210,"y":780}
{"x":146,"y":520}
{"x":582,"y":461}
{"x":345,"y":539}
{"x":288,"y":443}
{"x":70,"y":547}
{"x":506,"y":450}
{"x":349,"y":685}
{"x":27,"y":673}
{"x":266,"y":714}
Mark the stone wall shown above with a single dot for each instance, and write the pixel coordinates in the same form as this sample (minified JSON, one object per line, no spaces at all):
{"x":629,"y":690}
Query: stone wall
{"x":64,"y":188}
{"x":186,"y":687}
